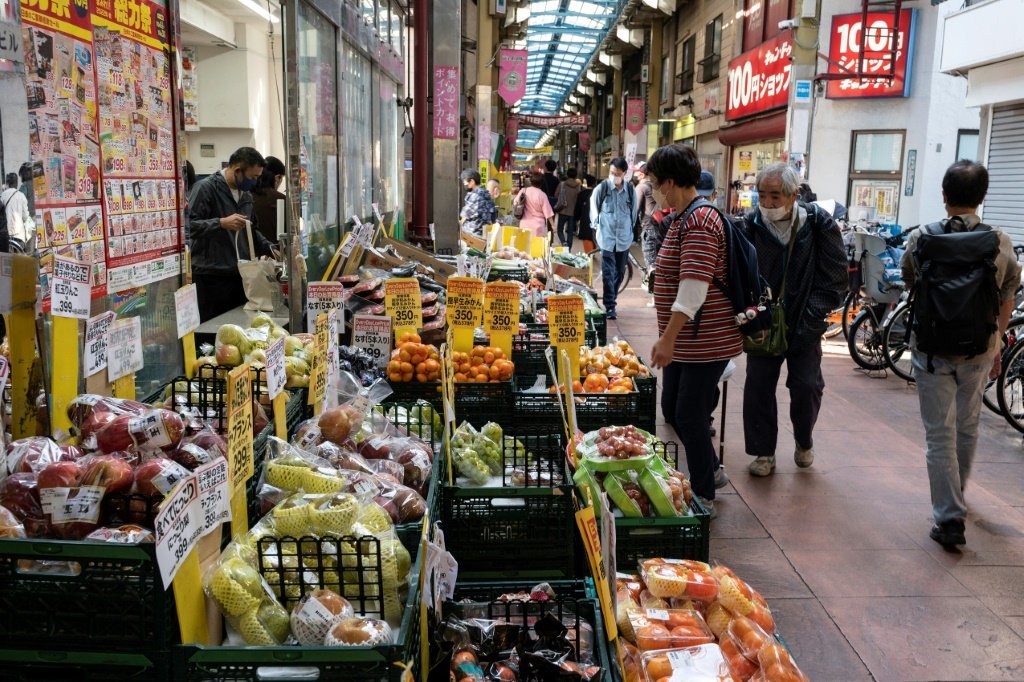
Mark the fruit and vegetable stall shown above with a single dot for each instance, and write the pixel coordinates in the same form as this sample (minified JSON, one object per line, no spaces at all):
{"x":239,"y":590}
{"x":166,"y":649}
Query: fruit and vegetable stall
{"x":451,"y":474}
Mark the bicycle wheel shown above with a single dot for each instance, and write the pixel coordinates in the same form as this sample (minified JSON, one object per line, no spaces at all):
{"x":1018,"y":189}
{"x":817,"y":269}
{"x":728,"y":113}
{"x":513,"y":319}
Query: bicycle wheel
{"x":835,"y":321}
{"x":895,"y":348}
{"x":627,"y":276}
{"x":1014,"y":331}
{"x":1010,"y":387}
{"x":865,"y":342}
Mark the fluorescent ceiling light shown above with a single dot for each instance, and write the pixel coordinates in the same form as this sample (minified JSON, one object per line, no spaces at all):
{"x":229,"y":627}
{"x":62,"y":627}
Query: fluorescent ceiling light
{"x":259,"y":11}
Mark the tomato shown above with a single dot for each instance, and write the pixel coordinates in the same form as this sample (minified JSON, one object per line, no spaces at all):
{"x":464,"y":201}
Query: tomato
{"x":701,"y":586}
{"x":763,"y":617}
{"x":659,"y":667}
{"x":652,"y":637}
{"x":691,"y":636}
{"x":463,"y":657}
{"x":683,"y":618}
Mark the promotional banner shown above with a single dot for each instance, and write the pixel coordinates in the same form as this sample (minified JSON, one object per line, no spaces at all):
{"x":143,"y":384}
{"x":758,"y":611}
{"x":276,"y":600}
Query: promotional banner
{"x":573,"y":121}
{"x":446,"y":102}
{"x":759,"y":79}
{"x":635,"y":115}
{"x":512,"y":78}
{"x":512,"y":130}
{"x":584,"y":141}
{"x":850,"y":39}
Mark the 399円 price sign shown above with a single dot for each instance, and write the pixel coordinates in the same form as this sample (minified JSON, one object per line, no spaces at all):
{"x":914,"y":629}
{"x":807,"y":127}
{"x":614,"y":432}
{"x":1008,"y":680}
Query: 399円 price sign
{"x":177,"y":528}
{"x":70,"y":288}
{"x":240,"y":438}
{"x":402,"y":301}
{"x":214,"y":493}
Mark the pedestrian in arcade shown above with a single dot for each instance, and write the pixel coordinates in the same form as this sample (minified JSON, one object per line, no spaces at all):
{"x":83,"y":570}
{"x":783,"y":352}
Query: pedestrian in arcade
{"x":584,"y":230}
{"x":18,"y":235}
{"x":565,"y":207}
{"x":550,"y":181}
{"x":613,"y":211}
{"x":651,"y":234}
{"x":693,"y":354}
{"x":799,"y":252}
{"x":954,"y":353}
{"x":538,"y":215}
{"x":219,"y":206}
{"x":479,"y":209}
{"x":266,"y":195}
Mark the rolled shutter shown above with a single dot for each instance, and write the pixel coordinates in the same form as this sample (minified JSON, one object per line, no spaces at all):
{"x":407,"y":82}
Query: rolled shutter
{"x":1004,"y":205}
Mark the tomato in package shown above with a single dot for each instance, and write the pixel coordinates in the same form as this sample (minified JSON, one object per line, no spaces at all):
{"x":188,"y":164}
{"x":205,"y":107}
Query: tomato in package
{"x":669,"y":629}
{"x":750,"y":637}
{"x":679,"y":578}
{"x":777,"y":665}
{"x":740,"y":666}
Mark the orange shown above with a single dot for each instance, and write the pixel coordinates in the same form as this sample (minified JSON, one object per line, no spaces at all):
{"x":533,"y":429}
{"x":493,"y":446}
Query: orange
{"x":422,"y":378}
{"x":407,"y":376}
{"x":482,"y":378}
{"x":459,"y":376}
{"x":659,"y":667}
{"x":404,"y":355}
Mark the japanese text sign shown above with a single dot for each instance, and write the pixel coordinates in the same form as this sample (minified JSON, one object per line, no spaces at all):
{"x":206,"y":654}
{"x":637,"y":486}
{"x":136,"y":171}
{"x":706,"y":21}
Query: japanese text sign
{"x":635,"y":115}
{"x":177,"y":528}
{"x":186,"y":309}
{"x":96,"y":329}
{"x":323,"y":297}
{"x":465,"y":302}
{"x":70,"y":288}
{"x":124,"y":348}
{"x":849,"y":40}
{"x":240,"y":454}
{"x":372,"y":333}
{"x":402,"y":301}
{"x":759,"y":79}
{"x":512,"y":78}
{"x":446,"y":102}
{"x":276,"y":376}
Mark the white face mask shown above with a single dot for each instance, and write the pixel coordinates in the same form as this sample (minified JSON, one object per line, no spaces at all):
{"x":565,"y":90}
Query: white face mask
{"x":774,"y":215}
{"x":660,"y":198}
{"x":616,"y":179}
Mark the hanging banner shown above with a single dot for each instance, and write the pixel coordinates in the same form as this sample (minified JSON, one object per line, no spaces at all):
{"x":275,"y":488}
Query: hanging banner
{"x":635,"y":115}
{"x":512,"y":81}
{"x":446,"y":102}
{"x":850,"y":39}
{"x":759,"y":79}
{"x":483,"y":143}
{"x":573,"y":121}
{"x":583,"y":141}
{"x":512,"y":130}
{"x":190,"y":88}
{"x":535,"y":151}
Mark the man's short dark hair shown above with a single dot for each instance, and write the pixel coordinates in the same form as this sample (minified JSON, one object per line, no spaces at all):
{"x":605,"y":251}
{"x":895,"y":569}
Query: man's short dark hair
{"x":965,"y":184}
{"x":470,"y":174}
{"x":619,"y":163}
{"x":536,"y":179}
{"x":25,"y":172}
{"x":571,"y":173}
{"x":12,"y":180}
{"x":247,"y":157}
{"x":550,"y":165}
{"x":590,"y":180}
{"x":676,"y":162}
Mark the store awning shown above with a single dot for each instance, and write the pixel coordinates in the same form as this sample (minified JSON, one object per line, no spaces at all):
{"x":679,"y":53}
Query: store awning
{"x":770,"y":127}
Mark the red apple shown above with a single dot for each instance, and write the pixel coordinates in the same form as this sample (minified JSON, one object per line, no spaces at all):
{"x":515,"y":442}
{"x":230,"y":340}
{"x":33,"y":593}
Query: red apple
{"x":60,"y":475}
{"x":31,"y":455}
{"x":116,"y":436}
{"x":191,"y":456}
{"x":84,"y":406}
{"x":377,"y":447}
{"x":158,"y":476}
{"x":211,"y":441}
{"x":259,"y":419}
{"x":96,"y":421}
{"x":110,"y":471}
{"x":156,"y":430}
{"x":20,"y":494}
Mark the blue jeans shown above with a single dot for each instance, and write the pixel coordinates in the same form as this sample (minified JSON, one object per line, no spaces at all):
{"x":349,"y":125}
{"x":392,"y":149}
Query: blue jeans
{"x":688,"y":395}
{"x":950,"y":399}
{"x":613,"y":267}
{"x":565,"y":236}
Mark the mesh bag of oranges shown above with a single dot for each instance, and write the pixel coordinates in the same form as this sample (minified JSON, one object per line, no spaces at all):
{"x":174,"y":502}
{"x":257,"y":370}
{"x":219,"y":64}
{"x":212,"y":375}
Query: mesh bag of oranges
{"x":482,"y":364}
{"x":414,"y":360}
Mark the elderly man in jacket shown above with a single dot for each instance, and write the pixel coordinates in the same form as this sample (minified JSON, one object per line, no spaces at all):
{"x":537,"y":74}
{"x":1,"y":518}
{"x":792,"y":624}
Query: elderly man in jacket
{"x":801,"y":243}
{"x":219,"y":206}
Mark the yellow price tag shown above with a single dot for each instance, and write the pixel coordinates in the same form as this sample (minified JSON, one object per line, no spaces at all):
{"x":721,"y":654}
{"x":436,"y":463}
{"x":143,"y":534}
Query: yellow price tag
{"x":501,"y":313}
{"x":566,"y":325}
{"x":318,"y":368}
{"x":465,"y":308}
{"x":240,"y":455}
{"x":402,"y":302}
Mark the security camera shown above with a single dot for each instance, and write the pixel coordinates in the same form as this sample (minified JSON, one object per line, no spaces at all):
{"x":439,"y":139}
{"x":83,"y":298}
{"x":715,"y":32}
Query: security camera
{"x":786,"y":24}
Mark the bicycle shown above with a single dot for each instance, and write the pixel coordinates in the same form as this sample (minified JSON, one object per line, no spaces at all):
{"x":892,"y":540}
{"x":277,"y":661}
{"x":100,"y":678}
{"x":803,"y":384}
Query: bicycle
{"x":631,"y":262}
{"x":881,"y":291}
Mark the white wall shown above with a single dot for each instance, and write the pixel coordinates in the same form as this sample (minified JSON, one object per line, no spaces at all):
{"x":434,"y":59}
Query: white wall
{"x":15,"y":121}
{"x":239,"y":102}
{"x":931,"y":116}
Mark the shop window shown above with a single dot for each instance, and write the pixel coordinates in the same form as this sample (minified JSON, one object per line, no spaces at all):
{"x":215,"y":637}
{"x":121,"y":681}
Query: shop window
{"x":384,"y":20}
{"x":876,"y":166}
{"x":389,"y":193}
{"x":967,"y":145}
{"x":666,"y":79}
{"x":686,"y":71}
{"x":712,"y":50}
{"x":357,"y":129}
{"x":753,"y":23}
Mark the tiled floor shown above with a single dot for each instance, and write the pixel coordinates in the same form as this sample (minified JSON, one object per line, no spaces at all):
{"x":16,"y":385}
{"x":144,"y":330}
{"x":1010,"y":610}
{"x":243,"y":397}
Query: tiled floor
{"x":841,"y":550}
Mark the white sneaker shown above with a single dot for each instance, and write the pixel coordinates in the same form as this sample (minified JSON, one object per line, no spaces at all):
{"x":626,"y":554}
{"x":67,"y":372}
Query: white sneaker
{"x":721,"y":478}
{"x":803,"y":458}
{"x":709,"y":505}
{"x":762,"y":466}
{"x":650,"y":303}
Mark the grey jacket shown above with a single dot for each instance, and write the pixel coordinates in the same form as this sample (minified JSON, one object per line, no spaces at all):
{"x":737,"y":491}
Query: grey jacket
{"x":213,"y":247}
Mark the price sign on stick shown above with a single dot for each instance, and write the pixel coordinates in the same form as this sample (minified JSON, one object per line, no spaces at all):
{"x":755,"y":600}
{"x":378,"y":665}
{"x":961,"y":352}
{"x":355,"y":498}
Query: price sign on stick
{"x":323,"y":297}
{"x":96,"y":329}
{"x":372,"y":333}
{"x":240,"y":454}
{"x":501,"y":313}
{"x":70,"y":288}
{"x":465,"y":307}
{"x":124,"y":348}
{"x":276,"y":380}
{"x":318,"y":366}
{"x":214,"y":493}
{"x":402,"y":301}
{"x":177,"y":528}
{"x":566,"y":324}
{"x":186,"y":311}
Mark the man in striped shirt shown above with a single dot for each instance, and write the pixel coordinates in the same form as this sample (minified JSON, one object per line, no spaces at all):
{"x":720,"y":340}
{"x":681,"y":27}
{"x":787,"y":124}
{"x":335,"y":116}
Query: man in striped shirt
{"x":692,"y":352}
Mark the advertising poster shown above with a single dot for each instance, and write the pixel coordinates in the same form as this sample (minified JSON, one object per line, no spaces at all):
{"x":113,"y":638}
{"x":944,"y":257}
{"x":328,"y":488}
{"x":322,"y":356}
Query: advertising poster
{"x":102,"y":141}
{"x":190,"y":88}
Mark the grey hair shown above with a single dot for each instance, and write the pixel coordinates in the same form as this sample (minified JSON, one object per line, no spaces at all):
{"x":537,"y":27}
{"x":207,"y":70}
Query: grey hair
{"x":786,"y":175}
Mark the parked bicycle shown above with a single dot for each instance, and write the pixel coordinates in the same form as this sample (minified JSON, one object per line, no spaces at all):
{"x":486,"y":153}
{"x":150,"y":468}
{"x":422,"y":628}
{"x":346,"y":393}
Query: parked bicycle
{"x":877,"y":251}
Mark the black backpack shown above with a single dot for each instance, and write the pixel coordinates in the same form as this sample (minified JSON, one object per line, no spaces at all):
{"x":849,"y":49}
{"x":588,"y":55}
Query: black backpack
{"x":747,"y":290}
{"x":955,"y":300}
{"x":3,"y":214}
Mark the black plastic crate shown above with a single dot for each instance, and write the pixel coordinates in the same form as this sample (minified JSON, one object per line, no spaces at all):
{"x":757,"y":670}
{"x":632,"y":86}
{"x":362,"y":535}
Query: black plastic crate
{"x":23,"y":665}
{"x":207,"y":393}
{"x":473,"y":401}
{"x":593,"y":410}
{"x":296,"y":409}
{"x":348,"y":664}
{"x":260,"y":451}
{"x":528,"y":349}
{"x":106,"y":598}
{"x":680,"y":537}
{"x":532,"y":519}
{"x":520,"y":274}
{"x":575,"y":604}
{"x":647,"y":387}
{"x":398,"y":413}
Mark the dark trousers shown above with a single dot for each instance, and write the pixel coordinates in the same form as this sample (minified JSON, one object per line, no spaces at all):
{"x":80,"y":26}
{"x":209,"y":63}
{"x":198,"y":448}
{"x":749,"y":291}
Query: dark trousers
{"x":688,"y":397}
{"x":613,"y":267}
{"x":760,"y":407}
{"x":566,"y":229}
{"x":218,"y":294}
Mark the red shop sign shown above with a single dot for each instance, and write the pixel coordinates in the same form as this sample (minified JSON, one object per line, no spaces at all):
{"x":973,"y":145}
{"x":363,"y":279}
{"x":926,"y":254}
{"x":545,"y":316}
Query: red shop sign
{"x":849,"y":38}
{"x":759,"y":79}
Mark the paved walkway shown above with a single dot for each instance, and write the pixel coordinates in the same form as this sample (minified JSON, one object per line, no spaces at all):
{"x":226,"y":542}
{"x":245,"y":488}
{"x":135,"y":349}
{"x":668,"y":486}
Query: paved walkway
{"x":841,"y":550}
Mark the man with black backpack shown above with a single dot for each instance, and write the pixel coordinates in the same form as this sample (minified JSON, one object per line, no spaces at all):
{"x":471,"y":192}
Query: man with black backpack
{"x":613,"y":211}
{"x":963,"y":275}
{"x":801,"y":256}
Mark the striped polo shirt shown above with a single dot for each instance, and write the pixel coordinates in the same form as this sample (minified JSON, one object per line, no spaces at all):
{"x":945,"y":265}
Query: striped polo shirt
{"x":697,"y":251}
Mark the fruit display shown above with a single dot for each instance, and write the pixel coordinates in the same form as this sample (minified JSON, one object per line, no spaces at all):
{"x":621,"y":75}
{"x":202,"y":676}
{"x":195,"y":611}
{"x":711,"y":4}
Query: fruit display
{"x":617,"y":359}
{"x":419,"y":419}
{"x":686,"y":620}
{"x":483,"y":457}
{"x":235,"y":345}
{"x":482,"y":364}
{"x":412,"y":360}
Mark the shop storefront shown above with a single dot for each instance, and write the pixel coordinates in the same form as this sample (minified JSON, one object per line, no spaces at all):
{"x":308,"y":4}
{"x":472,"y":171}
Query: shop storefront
{"x":756,"y":100}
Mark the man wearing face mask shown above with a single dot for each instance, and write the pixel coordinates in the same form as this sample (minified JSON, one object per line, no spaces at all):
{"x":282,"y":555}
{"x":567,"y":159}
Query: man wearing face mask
{"x":801,"y":243}
{"x":219,"y":206}
{"x":613,"y":211}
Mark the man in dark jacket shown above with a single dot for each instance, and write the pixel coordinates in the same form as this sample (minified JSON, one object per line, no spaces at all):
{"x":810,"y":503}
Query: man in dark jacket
{"x":816,"y":279}
{"x":219,"y":206}
{"x":550,"y":181}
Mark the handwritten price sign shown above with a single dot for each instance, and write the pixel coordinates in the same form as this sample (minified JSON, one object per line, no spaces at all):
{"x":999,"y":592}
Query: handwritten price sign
{"x":70,"y":287}
{"x":240,"y":454}
{"x":177,"y":527}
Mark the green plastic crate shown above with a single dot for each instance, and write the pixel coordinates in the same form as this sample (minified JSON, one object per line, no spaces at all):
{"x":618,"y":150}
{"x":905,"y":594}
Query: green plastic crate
{"x":36,"y":665}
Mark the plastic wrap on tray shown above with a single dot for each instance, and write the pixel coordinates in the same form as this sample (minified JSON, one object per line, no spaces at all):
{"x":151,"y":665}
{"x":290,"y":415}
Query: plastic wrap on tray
{"x":679,"y":578}
{"x":704,"y":663}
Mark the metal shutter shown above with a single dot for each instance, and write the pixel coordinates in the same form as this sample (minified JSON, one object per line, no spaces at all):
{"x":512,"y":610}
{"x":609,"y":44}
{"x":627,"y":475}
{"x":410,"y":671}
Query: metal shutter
{"x":1004,"y":205}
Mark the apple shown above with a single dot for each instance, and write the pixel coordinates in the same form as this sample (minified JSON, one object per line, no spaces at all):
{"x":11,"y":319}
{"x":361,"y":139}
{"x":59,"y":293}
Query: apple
{"x":307,"y":434}
{"x":157,"y":430}
{"x":85,"y":405}
{"x":158,"y":476}
{"x":336,"y":424}
{"x":95,"y":421}
{"x":211,"y":441}
{"x":60,"y":475}
{"x":31,"y":455}
{"x":417,"y":467}
{"x":20,"y":494}
{"x":376,"y":447}
{"x":191,"y":456}
{"x":259,"y":419}
{"x":228,"y":355}
{"x":110,"y":471}
{"x":116,"y":436}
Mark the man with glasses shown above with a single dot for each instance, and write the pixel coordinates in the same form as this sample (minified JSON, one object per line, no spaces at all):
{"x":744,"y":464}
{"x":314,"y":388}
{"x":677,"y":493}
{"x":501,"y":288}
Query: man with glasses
{"x":219,"y":207}
{"x":613,"y":211}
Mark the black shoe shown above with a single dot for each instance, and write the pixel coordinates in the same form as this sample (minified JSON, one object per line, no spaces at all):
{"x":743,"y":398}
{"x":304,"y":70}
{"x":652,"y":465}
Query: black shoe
{"x":949,"y":534}
{"x":713,"y":431}
{"x":611,"y":315}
